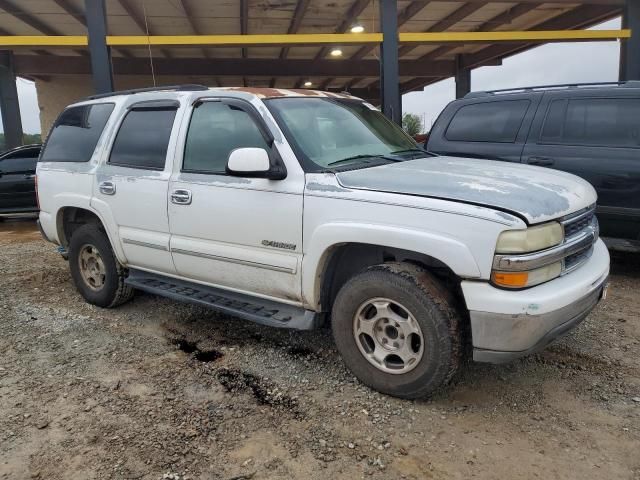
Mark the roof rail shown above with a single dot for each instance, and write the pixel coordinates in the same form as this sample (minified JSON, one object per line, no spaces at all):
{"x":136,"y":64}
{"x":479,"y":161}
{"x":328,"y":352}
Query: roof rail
{"x":174,"y":88}
{"x":627,"y":84}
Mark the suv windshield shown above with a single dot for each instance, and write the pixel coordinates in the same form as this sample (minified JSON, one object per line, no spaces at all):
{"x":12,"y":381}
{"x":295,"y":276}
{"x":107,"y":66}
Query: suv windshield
{"x":335,"y":132}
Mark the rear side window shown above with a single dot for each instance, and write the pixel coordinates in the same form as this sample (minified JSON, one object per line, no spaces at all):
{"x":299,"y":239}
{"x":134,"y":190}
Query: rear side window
{"x":143,"y":139}
{"x":611,"y":122}
{"x":216,"y":129}
{"x":14,"y":164}
{"x":76,"y":133}
{"x":496,"y":122}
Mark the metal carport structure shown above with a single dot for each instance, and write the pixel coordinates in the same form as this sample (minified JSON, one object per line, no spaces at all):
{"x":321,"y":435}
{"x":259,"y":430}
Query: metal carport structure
{"x":406,"y":44}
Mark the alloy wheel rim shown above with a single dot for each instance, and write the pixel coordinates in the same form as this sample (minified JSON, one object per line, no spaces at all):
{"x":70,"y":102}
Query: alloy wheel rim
{"x":388,"y":335}
{"x":92,"y":267}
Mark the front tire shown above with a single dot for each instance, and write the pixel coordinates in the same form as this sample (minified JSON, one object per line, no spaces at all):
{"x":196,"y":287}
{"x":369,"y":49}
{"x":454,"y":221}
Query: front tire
{"x":397,"y":330}
{"x":96,"y":273}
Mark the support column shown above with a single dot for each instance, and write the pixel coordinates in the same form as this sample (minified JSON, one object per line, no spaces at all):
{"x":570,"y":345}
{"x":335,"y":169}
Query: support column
{"x":463,"y":78}
{"x":630,"y":49}
{"x":9,"y":106}
{"x":98,"y":49}
{"x":389,"y":70}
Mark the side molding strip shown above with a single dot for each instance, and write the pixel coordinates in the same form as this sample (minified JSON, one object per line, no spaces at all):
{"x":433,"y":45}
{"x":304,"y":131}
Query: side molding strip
{"x":145,"y":244}
{"x":234,"y":260}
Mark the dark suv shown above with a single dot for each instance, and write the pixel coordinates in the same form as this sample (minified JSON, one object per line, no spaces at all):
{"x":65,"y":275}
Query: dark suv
{"x":17,"y":180}
{"x":590,"y":130}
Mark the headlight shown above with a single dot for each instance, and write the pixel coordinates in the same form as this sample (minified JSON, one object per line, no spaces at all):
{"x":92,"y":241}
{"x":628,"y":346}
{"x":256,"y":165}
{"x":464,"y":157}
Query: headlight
{"x":530,"y":240}
{"x":527,"y":279}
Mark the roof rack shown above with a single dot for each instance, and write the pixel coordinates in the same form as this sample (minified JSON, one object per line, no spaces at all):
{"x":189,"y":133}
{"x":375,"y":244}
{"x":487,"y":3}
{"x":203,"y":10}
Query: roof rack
{"x":627,"y":84}
{"x":193,"y":87}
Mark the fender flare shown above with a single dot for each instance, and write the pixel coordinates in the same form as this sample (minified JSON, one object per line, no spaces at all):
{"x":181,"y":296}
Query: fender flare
{"x":76,"y":202}
{"x":450,"y":251}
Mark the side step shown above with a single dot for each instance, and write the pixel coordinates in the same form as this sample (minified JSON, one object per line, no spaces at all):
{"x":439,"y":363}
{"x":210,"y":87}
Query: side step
{"x":258,"y":310}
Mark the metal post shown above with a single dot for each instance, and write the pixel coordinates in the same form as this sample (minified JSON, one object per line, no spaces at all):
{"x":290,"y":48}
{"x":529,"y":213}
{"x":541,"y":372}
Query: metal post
{"x":9,"y":106}
{"x":463,"y":78}
{"x":98,"y":49}
{"x":630,"y":49}
{"x":389,"y":70}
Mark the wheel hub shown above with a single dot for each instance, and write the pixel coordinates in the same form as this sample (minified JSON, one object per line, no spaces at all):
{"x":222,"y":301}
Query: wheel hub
{"x":388,"y":335}
{"x":92,"y":267}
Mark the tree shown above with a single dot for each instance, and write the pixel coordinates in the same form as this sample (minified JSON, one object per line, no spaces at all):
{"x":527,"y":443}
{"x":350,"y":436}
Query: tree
{"x":412,"y":124}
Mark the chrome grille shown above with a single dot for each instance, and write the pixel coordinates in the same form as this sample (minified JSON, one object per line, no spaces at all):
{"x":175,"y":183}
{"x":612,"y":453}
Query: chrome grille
{"x":577,"y":223}
{"x":576,"y":226}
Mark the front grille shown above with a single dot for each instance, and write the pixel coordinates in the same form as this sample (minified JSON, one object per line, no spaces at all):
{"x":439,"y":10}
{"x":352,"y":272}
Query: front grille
{"x":576,"y":224}
{"x":575,"y":260}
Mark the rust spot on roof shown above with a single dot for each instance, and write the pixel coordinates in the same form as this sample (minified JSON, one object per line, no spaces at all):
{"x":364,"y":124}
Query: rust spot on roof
{"x":260,"y":92}
{"x":286,"y":92}
{"x":306,"y":93}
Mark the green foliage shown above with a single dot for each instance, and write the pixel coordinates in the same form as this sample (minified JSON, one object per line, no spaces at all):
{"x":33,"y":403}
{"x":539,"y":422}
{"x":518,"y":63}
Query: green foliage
{"x":30,"y":138}
{"x":27,"y":139}
{"x":412,"y":124}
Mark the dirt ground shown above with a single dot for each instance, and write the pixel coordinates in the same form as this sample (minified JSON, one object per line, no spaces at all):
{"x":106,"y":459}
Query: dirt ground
{"x":156,"y":389}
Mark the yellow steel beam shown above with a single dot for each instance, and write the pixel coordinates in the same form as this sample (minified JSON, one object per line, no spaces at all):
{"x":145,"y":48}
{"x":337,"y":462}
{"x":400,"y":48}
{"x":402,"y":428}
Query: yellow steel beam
{"x":316,"y":39}
{"x":519,"y":36}
{"x":235,"y":40}
{"x":43,"y":41}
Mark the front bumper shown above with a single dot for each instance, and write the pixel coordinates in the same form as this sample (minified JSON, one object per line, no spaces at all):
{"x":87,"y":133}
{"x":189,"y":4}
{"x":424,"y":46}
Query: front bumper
{"x":506,"y":324}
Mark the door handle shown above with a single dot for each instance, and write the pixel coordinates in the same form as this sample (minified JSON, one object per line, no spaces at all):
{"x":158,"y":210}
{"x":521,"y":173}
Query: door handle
{"x":541,"y":161}
{"x":107,"y":188}
{"x":29,"y":176}
{"x":181,"y":197}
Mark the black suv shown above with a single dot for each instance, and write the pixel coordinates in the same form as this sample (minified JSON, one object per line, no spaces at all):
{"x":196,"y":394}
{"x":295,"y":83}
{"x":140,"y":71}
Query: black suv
{"x":17,"y":180}
{"x":590,"y":130}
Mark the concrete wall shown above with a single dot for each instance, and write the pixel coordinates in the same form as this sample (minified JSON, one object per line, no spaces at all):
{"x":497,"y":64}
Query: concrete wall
{"x":55,"y":93}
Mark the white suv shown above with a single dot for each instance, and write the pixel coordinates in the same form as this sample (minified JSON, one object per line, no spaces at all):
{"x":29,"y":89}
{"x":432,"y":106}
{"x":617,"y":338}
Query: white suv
{"x":292,"y":207}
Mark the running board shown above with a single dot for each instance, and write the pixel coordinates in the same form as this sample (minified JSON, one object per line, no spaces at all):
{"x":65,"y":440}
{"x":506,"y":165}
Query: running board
{"x":258,"y":310}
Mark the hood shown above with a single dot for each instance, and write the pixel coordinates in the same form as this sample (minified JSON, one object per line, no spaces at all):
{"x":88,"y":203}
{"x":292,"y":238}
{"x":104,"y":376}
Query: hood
{"x":535,"y":193}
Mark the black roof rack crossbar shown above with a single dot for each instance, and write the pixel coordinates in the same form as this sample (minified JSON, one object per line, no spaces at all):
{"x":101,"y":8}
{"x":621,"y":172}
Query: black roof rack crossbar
{"x":630,"y":83}
{"x":194,"y":87}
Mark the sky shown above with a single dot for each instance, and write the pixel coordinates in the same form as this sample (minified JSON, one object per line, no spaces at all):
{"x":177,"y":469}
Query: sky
{"x":548,"y":64}
{"x":553,"y":63}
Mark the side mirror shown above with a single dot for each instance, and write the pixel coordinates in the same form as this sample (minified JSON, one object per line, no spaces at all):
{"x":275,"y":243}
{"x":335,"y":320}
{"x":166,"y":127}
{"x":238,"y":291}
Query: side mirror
{"x":252,"y":162}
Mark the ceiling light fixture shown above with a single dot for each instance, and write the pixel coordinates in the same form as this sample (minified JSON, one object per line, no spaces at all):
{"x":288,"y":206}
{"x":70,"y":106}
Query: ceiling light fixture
{"x":307,"y":84}
{"x":336,"y":52}
{"x":357,"y":28}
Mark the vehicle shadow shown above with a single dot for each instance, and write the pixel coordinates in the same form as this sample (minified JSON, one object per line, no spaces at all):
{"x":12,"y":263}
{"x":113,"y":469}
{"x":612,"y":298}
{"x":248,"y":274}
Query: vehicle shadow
{"x":18,"y":229}
{"x":625,"y":263}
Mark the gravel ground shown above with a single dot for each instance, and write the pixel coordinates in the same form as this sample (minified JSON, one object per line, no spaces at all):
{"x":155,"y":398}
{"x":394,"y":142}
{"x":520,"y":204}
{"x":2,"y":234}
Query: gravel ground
{"x":157,"y":389}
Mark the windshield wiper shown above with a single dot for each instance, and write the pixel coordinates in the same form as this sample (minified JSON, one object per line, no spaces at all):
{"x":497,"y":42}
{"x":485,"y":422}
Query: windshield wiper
{"x":408,"y":150}
{"x":358,"y":157}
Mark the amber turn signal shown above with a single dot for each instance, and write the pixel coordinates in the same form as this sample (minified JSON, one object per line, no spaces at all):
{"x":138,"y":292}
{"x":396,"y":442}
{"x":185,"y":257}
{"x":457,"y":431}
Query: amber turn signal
{"x":510,"y":279}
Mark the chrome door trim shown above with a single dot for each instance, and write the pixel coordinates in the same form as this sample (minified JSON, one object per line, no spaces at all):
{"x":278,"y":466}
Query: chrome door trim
{"x":234,"y":260}
{"x":144,"y":244}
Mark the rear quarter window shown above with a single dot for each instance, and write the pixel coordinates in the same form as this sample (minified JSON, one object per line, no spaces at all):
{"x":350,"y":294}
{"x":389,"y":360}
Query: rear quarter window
{"x":606,"y":122}
{"x":494,"y":122}
{"x":76,"y":132}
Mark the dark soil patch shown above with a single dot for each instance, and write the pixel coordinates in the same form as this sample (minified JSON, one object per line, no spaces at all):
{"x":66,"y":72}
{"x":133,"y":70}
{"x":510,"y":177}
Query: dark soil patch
{"x":265,"y":392}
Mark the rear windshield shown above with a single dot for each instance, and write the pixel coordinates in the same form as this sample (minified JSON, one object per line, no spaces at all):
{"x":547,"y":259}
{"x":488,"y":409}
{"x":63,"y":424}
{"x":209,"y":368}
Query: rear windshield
{"x":76,"y":133}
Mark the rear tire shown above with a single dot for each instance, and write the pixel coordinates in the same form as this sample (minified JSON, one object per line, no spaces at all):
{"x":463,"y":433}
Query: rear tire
{"x":95,"y":271}
{"x":397,"y":330}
